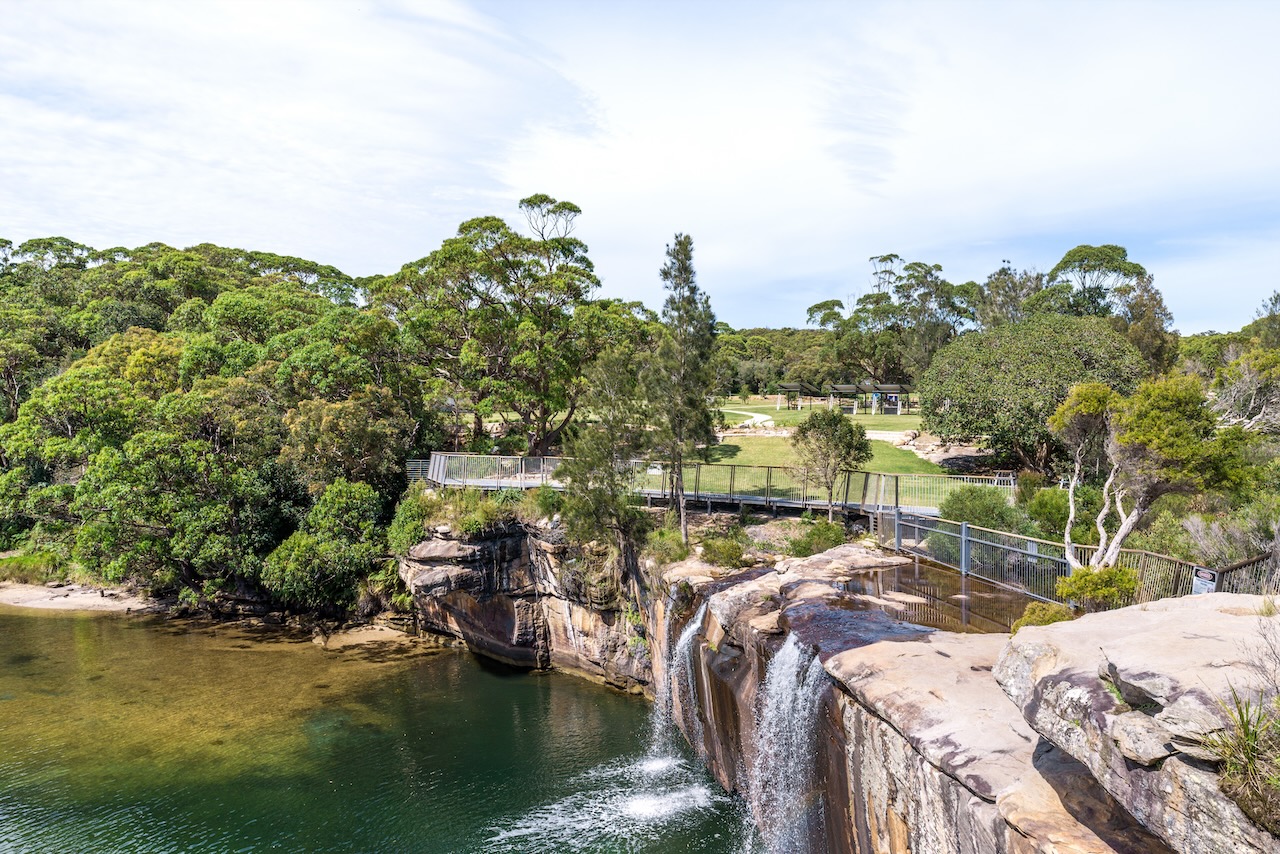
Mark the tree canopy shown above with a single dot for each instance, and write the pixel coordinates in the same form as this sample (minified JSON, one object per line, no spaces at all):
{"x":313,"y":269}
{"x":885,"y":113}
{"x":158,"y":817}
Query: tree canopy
{"x":1002,"y":385}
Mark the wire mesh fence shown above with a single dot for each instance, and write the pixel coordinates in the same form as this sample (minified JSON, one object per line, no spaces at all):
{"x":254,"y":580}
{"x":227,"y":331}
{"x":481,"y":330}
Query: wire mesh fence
{"x":903,"y":511}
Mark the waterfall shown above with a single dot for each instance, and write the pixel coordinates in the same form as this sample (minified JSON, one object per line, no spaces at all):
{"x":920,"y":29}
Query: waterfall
{"x":780,"y":779}
{"x":631,"y":804}
{"x":660,"y":719}
{"x":682,"y":674}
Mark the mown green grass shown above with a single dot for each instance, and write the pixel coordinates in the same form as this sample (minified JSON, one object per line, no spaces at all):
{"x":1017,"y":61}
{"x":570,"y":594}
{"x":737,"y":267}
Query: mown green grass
{"x":777,"y":451}
{"x":792,"y":417}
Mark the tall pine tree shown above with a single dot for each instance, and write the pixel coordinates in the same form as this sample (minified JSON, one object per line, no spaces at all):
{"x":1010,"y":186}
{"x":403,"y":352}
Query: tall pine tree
{"x":679,"y":380}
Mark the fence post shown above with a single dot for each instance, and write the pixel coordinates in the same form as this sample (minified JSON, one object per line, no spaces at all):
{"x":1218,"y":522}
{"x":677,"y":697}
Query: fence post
{"x":768,"y":485}
{"x":697,"y":481}
{"x":897,"y":529}
{"x":964,"y":548}
{"x":733,"y":470}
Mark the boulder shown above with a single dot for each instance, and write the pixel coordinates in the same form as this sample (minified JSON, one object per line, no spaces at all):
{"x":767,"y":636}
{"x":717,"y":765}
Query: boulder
{"x":1132,"y":694}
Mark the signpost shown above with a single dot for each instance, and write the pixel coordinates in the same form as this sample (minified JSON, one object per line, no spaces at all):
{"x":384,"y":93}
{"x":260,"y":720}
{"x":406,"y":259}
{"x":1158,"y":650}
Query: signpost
{"x":1204,"y":581}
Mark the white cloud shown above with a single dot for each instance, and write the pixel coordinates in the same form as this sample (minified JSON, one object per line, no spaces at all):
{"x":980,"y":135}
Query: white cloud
{"x":792,"y":142}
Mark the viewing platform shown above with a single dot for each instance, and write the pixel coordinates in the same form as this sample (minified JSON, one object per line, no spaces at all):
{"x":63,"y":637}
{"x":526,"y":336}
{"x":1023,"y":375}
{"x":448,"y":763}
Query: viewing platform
{"x":758,"y":486}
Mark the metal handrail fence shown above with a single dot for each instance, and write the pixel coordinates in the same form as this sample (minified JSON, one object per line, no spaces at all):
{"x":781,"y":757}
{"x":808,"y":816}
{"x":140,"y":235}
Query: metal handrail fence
{"x":783,"y":486}
{"x":1259,"y":575}
{"x":902,"y":508}
{"x":1027,"y":564}
{"x":1033,"y":566}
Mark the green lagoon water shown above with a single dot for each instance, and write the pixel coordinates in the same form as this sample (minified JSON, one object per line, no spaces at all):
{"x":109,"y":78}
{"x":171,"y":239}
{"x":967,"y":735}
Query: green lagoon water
{"x":129,"y":735}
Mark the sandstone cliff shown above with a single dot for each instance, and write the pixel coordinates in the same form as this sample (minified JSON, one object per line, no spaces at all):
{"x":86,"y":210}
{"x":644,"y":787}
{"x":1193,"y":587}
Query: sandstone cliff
{"x":1090,"y":740}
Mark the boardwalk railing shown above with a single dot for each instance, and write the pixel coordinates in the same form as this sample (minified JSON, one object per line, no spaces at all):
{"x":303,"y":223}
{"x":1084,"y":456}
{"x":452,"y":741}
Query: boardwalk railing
{"x":771,"y":486}
{"x":1033,"y":566}
{"x":903,"y":509}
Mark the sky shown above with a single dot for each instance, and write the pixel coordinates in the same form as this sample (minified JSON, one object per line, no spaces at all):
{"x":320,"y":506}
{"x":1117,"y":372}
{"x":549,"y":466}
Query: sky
{"x":792,"y":141}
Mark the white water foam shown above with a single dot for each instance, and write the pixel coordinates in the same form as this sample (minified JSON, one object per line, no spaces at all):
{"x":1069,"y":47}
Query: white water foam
{"x":619,"y":806}
{"x":780,"y":789}
{"x":631,"y":804}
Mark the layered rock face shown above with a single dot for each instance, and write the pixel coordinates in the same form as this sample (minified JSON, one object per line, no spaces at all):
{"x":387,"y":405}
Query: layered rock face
{"x":811,"y":689}
{"x":515,"y":595}
{"x":916,"y":748}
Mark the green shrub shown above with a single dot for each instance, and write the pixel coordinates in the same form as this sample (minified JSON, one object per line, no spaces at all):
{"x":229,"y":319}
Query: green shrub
{"x":722,"y":551}
{"x":539,"y":503}
{"x":665,"y":546}
{"x":29,"y":569}
{"x":1164,"y":534}
{"x":1248,"y":751}
{"x":984,"y":506}
{"x":1029,"y":483}
{"x":1050,"y":508}
{"x":508,"y":497}
{"x":1043,"y":614}
{"x":818,"y":537}
{"x":409,"y":525}
{"x":1099,"y":589}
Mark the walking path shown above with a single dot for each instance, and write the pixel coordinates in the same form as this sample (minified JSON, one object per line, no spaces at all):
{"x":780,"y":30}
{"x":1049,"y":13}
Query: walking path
{"x":753,"y":419}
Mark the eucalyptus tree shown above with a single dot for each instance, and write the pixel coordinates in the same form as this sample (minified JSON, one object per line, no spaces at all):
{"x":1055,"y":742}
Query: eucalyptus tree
{"x":1090,"y":275}
{"x":892,"y":333}
{"x":1163,"y":439}
{"x":506,"y":318}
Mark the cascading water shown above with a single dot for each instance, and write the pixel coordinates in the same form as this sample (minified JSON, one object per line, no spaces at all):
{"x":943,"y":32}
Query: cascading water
{"x":780,"y":779}
{"x":681,"y":674}
{"x":660,"y":718}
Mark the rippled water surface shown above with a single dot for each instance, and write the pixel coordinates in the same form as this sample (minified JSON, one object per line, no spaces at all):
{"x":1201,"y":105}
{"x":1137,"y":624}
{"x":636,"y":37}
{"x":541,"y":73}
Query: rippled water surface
{"x":124,"y":735}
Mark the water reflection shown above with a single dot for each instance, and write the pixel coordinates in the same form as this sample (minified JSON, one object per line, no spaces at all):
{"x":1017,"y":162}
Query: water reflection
{"x":120,"y":735}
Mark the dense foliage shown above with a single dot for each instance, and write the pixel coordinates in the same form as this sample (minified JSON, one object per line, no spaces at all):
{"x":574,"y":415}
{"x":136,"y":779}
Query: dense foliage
{"x":210,"y":417}
{"x":1003,"y":385}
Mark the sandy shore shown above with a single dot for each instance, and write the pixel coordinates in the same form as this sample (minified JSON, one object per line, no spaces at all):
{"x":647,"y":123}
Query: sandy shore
{"x":73,"y":597}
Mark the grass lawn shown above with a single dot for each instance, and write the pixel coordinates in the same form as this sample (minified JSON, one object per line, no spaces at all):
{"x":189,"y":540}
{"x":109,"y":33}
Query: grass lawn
{"x":791,"y":417}
{"x":777,"y":451}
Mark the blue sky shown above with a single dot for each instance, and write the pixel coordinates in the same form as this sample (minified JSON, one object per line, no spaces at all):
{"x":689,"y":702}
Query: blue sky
{"x":792,"y":141}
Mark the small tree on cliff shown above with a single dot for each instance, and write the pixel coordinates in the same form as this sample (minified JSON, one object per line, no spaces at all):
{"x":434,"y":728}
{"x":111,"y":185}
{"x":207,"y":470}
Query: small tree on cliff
{"x":1163,"y":439}
{"x":828,"y":444}
{"x":679,"y":380}
{"x":599,"y":468}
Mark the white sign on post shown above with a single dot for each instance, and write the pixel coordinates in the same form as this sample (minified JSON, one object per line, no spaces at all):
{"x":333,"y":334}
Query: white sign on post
{"x":1204,"y":581}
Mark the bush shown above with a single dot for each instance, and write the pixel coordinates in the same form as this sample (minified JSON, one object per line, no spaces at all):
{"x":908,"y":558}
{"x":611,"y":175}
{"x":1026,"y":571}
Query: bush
{"x":409,"y":526}
{"x":1050,"y":508}
{"x":1248,"y":751}
{"x":665,"y":546}
{"x":1029,"y":483}
{"x":1099,"y":589}
{"x":29,"y":569}
{"x":1164,"y":534}
{"x":722,"y":551}
{"x":539,"y":503}
{"x":319,"y":564}
{"x":818,"y":537}
{"x":986,"y":507}
{"x":1043,"y":614}
{"x":983,"y":506}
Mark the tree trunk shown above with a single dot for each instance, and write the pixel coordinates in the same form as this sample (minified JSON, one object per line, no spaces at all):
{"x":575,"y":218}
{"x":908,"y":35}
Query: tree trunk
{"x":677,"y":481}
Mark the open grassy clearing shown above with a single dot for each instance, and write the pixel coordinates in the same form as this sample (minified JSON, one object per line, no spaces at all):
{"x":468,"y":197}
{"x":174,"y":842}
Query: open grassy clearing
{"x":791,"y":417}
{"x":777,"y":451}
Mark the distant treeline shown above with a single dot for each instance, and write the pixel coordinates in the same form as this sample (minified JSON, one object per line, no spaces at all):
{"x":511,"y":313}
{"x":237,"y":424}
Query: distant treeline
{"x":208,"y":417}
